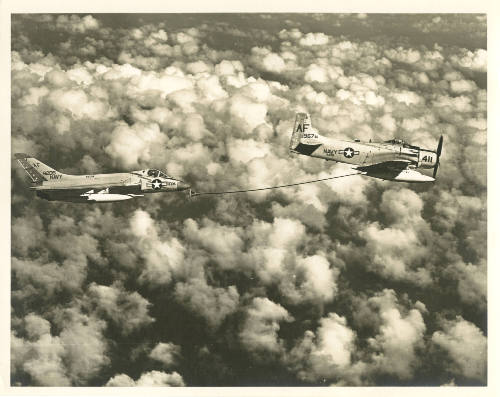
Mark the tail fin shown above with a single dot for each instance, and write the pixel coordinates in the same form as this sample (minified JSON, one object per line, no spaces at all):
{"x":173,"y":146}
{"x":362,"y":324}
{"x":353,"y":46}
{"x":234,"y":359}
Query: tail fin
{"x":37,"y":171}
{"x":303,"y":134}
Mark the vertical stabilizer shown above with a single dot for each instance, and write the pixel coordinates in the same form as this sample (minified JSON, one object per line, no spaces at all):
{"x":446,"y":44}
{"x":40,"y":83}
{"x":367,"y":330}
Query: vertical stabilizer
{"x":304,"y":139}
{"x":37,"y":171}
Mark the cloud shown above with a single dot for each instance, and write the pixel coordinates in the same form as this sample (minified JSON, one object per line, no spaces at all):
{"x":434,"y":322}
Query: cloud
{"x":387,"y":246}
{"x":67,"y":269}
{"x":163,"y":258}
{"x":128,"y":311}
{"x":77,"y":104}
{"x":267,"y":60}
{"x":214,"y":304}
{"x":319,"y":280}
{"x":76,"y":24}
{"x":27,"y":233}
{"x":398,"y":338}
{"x":343,"y":282}
{"x":271,"y":244}
{"x":121,"y":380}
{"x":70,"y":358}
{"x":401,"y":54}
{"x":259,"y":333}
{"x":132,"y":145}
{"x":465,"y":345}
{"x":166,"y":353}
{"x":148,"y":379}
{"x":326,"y":353}
{"x":476,"y":61}
{"x":246,"y":113}
{"x":461,"y":86}
{"x":41,"y":360}
{"x":313,"y":39}
{"x":472,"y":283}
{"x":222,"y":243}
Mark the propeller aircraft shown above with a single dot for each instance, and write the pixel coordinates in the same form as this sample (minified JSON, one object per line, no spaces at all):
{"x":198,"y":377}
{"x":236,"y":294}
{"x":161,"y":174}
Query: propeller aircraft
{"x":393,"y":160}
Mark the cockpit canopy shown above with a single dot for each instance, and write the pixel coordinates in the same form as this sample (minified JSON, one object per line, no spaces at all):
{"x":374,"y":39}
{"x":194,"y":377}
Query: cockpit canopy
{"x":401,"y":142}
{"x":396,"y":141}
{"x":156,"y":173}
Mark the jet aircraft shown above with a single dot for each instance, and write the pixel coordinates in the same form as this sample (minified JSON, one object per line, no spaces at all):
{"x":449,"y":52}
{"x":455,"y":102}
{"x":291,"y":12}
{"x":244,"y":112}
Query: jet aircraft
{"x":393,"y":160}
{"x":51,"y":184}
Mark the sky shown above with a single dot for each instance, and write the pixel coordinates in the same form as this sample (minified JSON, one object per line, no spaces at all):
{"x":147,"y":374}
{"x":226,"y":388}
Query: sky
{"x":351,"y":282}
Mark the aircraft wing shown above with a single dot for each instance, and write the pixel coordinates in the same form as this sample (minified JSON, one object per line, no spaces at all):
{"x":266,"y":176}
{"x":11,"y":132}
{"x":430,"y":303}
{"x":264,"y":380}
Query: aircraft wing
{"x":79,"y":194}
{"x":389,"y":169}
{"x":396,"y":165}
{"x":395,"y":170}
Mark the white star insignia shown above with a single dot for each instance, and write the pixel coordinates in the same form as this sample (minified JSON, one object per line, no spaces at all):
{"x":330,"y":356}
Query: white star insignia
{"x":348,"y":152}
{"x":156,"y":184}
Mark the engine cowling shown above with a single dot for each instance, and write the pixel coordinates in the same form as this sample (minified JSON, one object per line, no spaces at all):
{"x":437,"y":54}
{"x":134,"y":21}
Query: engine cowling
{"x":427,"y":158}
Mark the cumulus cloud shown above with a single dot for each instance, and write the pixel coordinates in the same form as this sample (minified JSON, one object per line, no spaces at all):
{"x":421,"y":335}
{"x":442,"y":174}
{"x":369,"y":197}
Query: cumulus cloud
{"x":397,"y":250}
{"x":212,"y":303}
{"x":267,"y":60}
{"x":272,"y":243}
{"x":466,"y":346}
{"x":345,"y":282}
{"x":76,"y":24}
{"x":326,"y":353}
{"x":166,"y":353}
{"x":70,"y":358}
{"x":471,"y":60}
{"x":148,"y":379}
{"x":163,"y":258}
{"x":223,"y":243}
{"x":313,"y":39}
{"x":128,"y":311}
{"x":260,"y":329}
{"x":131,"y":145}
{"x":398,"y":338}
{"x":319,"y":279}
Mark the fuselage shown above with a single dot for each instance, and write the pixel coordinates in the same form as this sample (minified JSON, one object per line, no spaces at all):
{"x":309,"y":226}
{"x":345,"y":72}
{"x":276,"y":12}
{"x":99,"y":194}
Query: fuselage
{"x":136,"y":180}
{"x":393,"y":160}
{"x":51,"y":184}
{"x":364,"y":153}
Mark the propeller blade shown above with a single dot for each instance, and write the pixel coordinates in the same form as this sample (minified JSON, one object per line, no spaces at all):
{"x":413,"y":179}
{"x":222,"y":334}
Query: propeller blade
{"x":438,"y":152}
{"x":440,"y":146}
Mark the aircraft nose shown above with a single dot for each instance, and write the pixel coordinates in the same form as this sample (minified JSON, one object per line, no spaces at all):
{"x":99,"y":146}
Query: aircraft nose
{"x":182,"y":185}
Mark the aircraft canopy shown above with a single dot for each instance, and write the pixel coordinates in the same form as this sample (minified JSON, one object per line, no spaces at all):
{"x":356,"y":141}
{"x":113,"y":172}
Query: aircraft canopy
{"x":156,"y":173}
{"x":396,"y":141}
{"x":401,"y":142}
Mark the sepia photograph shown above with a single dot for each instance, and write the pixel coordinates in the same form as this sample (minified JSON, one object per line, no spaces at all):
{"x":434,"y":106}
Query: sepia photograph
{"x":248,"y":199}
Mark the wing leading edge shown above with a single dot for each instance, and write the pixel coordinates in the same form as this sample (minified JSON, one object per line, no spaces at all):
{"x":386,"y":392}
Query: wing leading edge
{"x":394,"y":170}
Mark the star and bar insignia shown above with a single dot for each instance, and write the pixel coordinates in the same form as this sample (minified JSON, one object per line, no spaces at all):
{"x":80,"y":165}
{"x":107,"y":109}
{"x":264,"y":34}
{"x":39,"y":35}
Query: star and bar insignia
{"x":350,"y":152}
